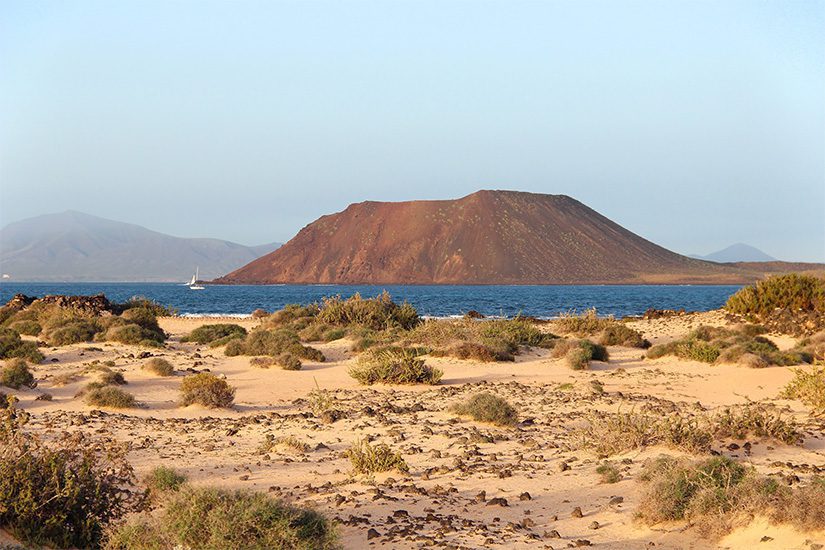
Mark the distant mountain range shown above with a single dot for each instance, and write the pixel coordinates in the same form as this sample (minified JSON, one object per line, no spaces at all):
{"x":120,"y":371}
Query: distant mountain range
{"x":739,"y":252}
{"x":488,"y":237}
{"x":73,"y":246}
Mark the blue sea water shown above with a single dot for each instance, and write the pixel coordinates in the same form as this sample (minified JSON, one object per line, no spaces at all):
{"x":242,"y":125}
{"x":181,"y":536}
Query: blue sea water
{"x":437,"y":301}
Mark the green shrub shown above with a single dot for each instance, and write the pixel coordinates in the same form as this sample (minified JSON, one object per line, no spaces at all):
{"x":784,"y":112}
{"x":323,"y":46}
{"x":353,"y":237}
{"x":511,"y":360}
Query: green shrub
{"x":377,"y":313}
{"x":136,"y":325}
{"x":755,"y":421}
{"x":16,"y":374}
{"x":72,"y":332}
{"x":141,"y":302}
{"x":608,"y":472}
{"x":216,"y":519}
{"x":789,"y":303}
{"x":163,"y":479}
{"x":287,"y":361}
{"x":579,"y":353}
{"x":577,"y":358}
{"x":273,"y":343}
{"x":394,"y":366}
{"x":368,"y":459}
{"x":206,"y":389}
{"x":809,"y":387}
{"x":109,"y":377}
{"x":109,"y":396}
{"x":698,"y":350}
{"x":486,"y":407}
{"x":619,"y":334}
{"x":209,"y":333}
{"x":61,"y":494}
{"x":11,"y":345}
{"x":27,"y":327}
{"x":159,"y":366}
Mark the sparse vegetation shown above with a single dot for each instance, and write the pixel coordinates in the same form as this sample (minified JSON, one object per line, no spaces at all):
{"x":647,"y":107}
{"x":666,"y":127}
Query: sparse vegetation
{"x":288,"y":441}
{"x":214,"y":519}
{"x":159,"y":366}
{"x":379,"y":313}
{"x":486,"y":407}
{"x":394,"y":366}
{"x":136,"y":325}
{"x":206,"y":389}
{"x":273,"y":342}
{"x":142,"y":302}
{"x":61,"y":494}
{"x":368,"y":459}
{"x":108,"y":396}
{"x":27,"y":327}
{"x":718,"y":494}
{"x":579,"y":353}
{"x":16,"y":375}
{"x":11,"y":345}
{"x":606,"y":330}
{"x":809,"y":387}
{"x":217,"y":334}
{"x":735,"y":345}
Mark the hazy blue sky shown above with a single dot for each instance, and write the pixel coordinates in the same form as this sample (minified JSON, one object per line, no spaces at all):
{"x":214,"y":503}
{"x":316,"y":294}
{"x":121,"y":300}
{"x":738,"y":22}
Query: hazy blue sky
{"x":695,"y":124}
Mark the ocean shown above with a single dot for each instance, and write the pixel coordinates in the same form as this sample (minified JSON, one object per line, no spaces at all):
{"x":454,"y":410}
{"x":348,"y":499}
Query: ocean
{"x":544,"y":301}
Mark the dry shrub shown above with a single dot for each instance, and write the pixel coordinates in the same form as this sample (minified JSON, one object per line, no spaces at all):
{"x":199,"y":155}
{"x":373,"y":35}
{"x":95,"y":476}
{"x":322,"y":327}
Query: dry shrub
{"x":273,"y":343}
{"x":579,"y":353}
{"x":27,"y":327}
{"x":719,"y":494}
{"x":809,"y":387}
{"x":206,"y":389}
{"x":210,"y":518}
{"x":262,"y":362}
{"x":486,"y":407}
{"x":608,"y":472}
{"x":368,"y":459}
{"x":379,"y":313}
{"x":755,"y":421}
{"x":159,"y":366}
{"x":163,"y":479}
{"x":61,"y":494}
{"x":16,"y":375}
{"x":394,"y":366}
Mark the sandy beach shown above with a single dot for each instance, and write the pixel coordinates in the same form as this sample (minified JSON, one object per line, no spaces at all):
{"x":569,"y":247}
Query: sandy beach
{"x":459,"y":470}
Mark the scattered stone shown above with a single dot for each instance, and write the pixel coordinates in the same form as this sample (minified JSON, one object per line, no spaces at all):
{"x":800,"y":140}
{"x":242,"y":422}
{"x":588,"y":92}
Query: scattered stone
{"x":577,"y":512}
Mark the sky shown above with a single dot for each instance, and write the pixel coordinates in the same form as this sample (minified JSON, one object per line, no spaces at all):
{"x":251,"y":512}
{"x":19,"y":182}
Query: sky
{"x":694,"y":124}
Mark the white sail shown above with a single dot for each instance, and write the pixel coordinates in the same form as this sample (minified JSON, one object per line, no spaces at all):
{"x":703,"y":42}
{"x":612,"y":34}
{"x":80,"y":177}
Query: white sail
{"x":193,"y":284}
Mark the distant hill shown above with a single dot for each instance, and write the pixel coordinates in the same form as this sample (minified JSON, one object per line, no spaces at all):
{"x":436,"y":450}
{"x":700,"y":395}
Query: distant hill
{"x":738,"y":252}
{"x":489,"y":237}
{"x":73,"y":246}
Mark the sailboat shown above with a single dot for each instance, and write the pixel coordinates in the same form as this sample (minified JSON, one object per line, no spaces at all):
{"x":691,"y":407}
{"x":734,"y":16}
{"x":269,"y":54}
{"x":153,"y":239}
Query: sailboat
{"x":193,"y":284}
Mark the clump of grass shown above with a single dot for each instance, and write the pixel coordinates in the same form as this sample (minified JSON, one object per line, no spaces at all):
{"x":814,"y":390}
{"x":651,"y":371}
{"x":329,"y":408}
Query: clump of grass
{"x":320,"y":400}
{"x":608,"y":472}
{"x":287,"y":361}
{"x":809,"y":387}
{"x":206,"y":389}
{"x":16,"y":375}
{"x":486,"y":407}
{"x":111,"y":378}
{"x":163,"y":479}
{"x":619,"y":334}
{"x":394,"y":366}
{"x":109,"y":396}
{"x":159,"y":366}
{"x":289,"y":441}
{"x":156,"y":309}
{"x":137,"y":325}
{"x":475,"y":352}
{"x":206,"y":517}
{"x":11,"y":345}
{"x":368,"y":459}
{"x":218,"y":334}
{"x":65,"y":378}
{"x":606,"y":330}
{"x":260,"y":314}
{"x":263,"y":362}
{"x":790,"y":303}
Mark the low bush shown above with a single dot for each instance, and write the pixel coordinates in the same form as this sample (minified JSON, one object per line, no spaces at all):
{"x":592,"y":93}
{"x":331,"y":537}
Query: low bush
{"x":273,"y":343}
{"x":735,"y":345}
{"x":109,"y":396}
{"x":159,"y":366}
{"x":474,"y":352}
{"x":718,"y":494}
{"x":214,"y":519}
{"x":608,"y":472}
{"x":137,"y":325}
{"x":27,"y":327}
{"x":394,"y":366}
{"x":163,"y":479}
{"x":206,"y":389}
{"x":16,"y":375}
{"x":109,"y":377}
{"x":287,"y":361}
{"x":150,"y":305}
{"x":64,"y":493}
{"x":207,"y":334}
{"x":486,"y":407}
{"x":11,"y":345}
{"x":809,"y":387}
{"x":619,"y":334}
{"x":788,"y":303}
{"x":579,"y":353}
{"x":754,"y":420}
{"x":379,"y":313}
{"x":368,"y":459}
